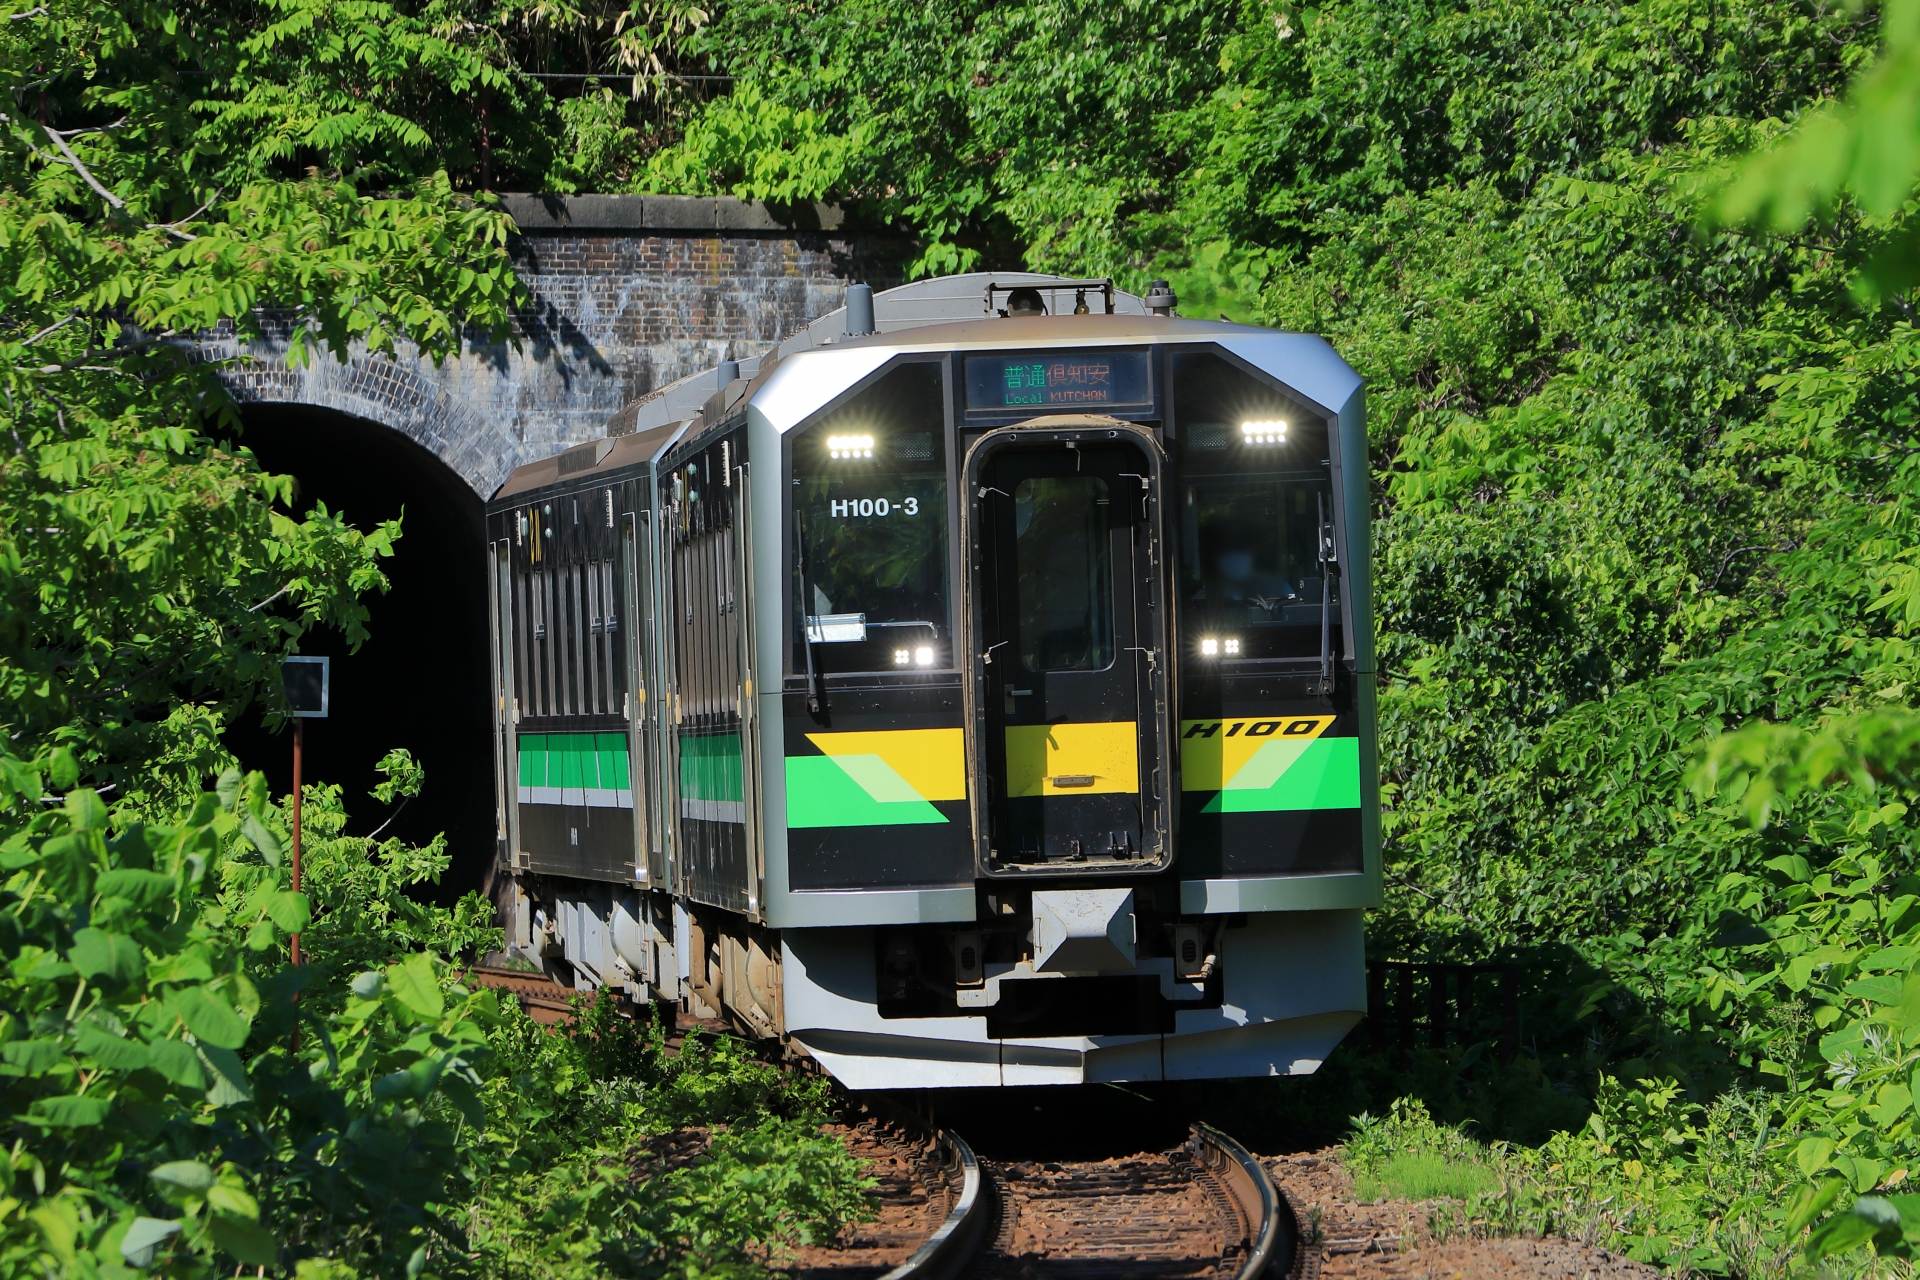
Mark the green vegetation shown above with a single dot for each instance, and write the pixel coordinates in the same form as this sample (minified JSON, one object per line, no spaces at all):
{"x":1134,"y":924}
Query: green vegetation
{"x":181,"y":1098}
{"x":1406,"y":1155}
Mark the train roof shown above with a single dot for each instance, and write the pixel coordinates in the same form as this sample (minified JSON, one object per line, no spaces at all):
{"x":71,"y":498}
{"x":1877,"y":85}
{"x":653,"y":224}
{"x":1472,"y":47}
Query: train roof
{"x":943,"y":314}
{"x":1049,"y":331}
{"x":595,"y":455}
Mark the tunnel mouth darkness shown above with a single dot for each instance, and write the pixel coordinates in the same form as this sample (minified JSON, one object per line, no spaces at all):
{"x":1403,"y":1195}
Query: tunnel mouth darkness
{"x":420,"y":681}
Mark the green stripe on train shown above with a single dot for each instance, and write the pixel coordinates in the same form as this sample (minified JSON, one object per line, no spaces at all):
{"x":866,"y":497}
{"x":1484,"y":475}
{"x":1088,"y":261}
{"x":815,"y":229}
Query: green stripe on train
{"x":710,"y":768}
{"x":851,"y":791}
{"x":586,"y":761}
{"x":1325,"y":775}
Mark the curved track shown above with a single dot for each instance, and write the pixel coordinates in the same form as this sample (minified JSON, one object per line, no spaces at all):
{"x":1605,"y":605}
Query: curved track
{"x":1203,"y":1210}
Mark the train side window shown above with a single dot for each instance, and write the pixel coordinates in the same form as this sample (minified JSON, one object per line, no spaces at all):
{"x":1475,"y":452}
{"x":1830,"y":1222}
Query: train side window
{"x":870,"y":517}
{"x":1254,"y":486}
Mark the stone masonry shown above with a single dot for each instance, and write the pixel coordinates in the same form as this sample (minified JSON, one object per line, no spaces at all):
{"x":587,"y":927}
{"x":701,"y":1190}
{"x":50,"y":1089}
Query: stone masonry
{"x":628,"y":293}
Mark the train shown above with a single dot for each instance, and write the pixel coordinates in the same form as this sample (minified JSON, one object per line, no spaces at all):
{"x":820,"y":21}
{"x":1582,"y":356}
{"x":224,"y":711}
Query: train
{"x":974,"y":689}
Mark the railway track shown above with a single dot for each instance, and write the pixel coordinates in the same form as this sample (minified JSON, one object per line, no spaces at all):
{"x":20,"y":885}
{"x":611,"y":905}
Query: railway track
{"x":1202,"y":1211}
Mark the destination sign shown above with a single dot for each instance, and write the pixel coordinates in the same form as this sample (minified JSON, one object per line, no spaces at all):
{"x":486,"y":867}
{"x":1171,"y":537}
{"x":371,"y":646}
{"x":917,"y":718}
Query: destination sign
{"x":1060,"y":380}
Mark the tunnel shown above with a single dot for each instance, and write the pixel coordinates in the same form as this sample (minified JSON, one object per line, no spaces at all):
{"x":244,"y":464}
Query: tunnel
{"x":420,"y":680}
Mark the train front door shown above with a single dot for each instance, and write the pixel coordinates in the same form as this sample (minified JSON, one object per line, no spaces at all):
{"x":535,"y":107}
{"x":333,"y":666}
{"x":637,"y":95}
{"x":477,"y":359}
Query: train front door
{"x":1069,"y":745}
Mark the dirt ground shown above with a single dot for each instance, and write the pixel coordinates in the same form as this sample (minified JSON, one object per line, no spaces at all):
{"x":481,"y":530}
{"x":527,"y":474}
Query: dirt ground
{"x":1390,"y":1240}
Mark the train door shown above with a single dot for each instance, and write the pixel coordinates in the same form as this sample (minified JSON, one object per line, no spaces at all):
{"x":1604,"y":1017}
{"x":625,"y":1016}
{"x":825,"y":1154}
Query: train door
{"x":639,"y":699}
{"x":506,"y":707}
{"x":1070,"y":741}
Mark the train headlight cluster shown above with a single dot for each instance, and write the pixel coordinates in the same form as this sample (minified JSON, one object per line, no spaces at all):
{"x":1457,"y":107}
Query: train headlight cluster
{"x":1264,"y":431}
{"x":850,"y":446}
{"x":920,"y":657}
{"x":1216,"y":646}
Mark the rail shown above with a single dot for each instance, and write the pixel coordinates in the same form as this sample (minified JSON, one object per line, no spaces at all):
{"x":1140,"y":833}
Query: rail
{"x":952,"y":1244}
{"x":1270,"y":1226}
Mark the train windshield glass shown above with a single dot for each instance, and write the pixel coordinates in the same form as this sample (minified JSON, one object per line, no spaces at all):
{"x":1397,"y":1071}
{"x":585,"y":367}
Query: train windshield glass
{"x":870,"y":512}
{"x":1256,"y":488}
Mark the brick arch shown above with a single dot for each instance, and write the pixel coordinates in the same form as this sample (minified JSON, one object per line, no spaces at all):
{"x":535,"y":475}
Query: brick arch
{"x":626,"y":294}
{"x":392,"y":393}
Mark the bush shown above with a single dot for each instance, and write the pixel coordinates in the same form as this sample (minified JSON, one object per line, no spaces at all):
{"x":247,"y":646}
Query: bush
{"x":1405,"y":1154}
{"x":183,"y":1100}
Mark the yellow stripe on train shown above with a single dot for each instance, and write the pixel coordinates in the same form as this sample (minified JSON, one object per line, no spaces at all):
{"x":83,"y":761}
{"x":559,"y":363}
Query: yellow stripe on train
{"x":1215,"y":753}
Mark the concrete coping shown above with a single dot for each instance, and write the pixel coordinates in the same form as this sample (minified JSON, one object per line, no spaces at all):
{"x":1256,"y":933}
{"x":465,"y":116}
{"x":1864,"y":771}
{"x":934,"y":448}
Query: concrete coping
{"x":538,"y":213}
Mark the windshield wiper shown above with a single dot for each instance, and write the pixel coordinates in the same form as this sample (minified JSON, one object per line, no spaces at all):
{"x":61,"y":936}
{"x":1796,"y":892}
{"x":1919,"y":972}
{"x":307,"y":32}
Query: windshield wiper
{"x":816,"y":682}
{"x":1329,"y":565}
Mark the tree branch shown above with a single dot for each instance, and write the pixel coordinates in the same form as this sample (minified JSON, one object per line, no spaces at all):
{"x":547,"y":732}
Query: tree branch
{"x":173,"y":228}
{"x":52,"y":329}
{"x":390,"y":817}
{"x":107,"y":353}
{"x":81,"y":169}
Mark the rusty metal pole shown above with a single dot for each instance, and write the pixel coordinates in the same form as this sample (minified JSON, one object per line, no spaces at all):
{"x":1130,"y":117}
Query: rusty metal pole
{"x":299,"y":740}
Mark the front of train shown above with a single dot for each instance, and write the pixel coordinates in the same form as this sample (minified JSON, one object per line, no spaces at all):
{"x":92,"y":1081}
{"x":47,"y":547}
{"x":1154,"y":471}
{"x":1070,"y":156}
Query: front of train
{"x":1064,"y":726}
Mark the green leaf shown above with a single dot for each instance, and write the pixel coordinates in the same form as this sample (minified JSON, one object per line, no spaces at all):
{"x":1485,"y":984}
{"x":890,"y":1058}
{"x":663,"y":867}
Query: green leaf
{"x":97,"y":954}
{"x":177,"y":1061}
{"x":1891,"y":1103}
{"x":141,"y":887}
{"x":180,"y":1179}
{"x":261,"y":838}
{"x":230,"y":1085}
{"x":413,"y":983}
{"x":140,"y":1246}
{"x":1847,"y":1231}
{"x":1792,"y":866}
{"x":33,"y":1056}
{"x":209,"y":1017}
{"x":1885,"y":988}
{"x":84,"y":809}
{"x":1862,"y":1172}
{"x":62,"y":769}
{"x":72,"y":1112}
{"x":1910,"y":1001}
{"x":250,"y":1242}
{"x":115,"y":1052}
{"x":1810,"y":1202}
{"x":1813,"y":1154}
{"x":288,"y":910}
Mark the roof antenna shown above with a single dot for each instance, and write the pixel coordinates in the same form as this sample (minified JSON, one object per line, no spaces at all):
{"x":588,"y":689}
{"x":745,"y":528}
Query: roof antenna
{"x":1161,"y":299}
{"x":859,"y":310}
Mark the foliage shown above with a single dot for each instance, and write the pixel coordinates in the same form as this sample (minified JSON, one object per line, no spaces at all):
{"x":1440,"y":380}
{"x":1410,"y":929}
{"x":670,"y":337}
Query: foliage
{"x":1864,"y":149}
{"x":1405,"y":1154}
{"x":144,"y":562}
{"x":181,"y":1099}
{"x":604,"y":1157}
{"x":161,"y":1117}
{"x":357,"y":888}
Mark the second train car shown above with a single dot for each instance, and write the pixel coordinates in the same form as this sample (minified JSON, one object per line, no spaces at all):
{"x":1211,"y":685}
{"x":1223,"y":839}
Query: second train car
{"x":976,"y":689}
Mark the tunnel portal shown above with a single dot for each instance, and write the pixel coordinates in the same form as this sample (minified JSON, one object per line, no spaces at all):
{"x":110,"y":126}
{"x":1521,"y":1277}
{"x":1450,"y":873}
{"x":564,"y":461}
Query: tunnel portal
{"x":420,"y":680}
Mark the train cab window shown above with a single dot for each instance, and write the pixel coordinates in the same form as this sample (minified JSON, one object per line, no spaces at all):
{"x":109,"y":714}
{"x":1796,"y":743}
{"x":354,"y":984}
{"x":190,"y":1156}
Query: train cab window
{"x":870,"y":515}
{"x":1255,"y":489}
